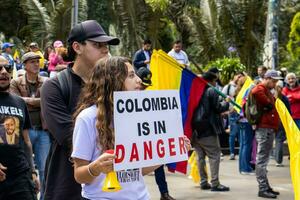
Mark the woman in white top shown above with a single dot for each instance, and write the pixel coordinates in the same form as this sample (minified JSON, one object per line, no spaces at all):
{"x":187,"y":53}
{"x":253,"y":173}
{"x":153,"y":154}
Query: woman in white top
{"x":94,"y":133}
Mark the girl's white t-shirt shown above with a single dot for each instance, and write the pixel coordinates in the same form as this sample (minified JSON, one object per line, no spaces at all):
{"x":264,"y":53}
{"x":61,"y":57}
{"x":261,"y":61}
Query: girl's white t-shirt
{"x":85,"y":147}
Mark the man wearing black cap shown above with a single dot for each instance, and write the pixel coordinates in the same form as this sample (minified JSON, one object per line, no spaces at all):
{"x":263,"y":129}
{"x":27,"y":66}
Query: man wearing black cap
{"x":28,"y":87}
{"x":87,"y":43}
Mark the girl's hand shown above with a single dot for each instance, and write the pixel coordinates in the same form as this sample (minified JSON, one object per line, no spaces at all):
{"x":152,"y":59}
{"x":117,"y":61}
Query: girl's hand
{"x":103,"y":164}
{"x":187,"y":143}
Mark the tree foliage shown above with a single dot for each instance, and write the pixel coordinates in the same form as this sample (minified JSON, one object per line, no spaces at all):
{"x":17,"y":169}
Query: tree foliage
{"x":228,"y":67}
{"x":207,"y":28}
{"x":293,"y":45}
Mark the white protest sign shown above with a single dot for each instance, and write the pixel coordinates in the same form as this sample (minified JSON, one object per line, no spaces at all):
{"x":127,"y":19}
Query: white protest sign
{"x":148,"y":129}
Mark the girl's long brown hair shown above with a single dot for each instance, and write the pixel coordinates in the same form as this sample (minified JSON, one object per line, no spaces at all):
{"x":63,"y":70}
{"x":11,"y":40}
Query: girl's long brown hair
{"x":108,"y":76}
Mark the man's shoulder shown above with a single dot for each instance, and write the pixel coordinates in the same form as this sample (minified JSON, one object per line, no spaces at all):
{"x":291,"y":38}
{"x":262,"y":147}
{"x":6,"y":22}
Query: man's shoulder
{"x":42,"y":79}
{"x":17,"y":80}
{"x":183,"y":52}
{"x":139,"y":52}
{"x":171,"y":52}
{"x":258,"y":88}
{"x":50,"y":85}
{"x":16,"y":99}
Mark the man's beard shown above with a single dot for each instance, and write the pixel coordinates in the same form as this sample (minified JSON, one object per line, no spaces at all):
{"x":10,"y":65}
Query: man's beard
{"x":4,"y":88}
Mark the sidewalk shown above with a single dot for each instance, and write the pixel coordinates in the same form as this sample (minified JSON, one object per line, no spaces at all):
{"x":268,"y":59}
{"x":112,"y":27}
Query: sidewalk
{"x":242,"y":187}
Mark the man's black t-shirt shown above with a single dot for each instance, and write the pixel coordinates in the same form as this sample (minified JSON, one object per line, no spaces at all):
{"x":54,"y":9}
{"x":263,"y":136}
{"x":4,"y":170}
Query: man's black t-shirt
{"x":59,"y":176}
{"x":14,"y":119}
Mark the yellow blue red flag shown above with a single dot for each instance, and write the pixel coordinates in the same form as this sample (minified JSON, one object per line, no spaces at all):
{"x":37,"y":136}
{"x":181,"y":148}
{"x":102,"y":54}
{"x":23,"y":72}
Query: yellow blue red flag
{"x":167,"y":73}
{"x":243,"y":92}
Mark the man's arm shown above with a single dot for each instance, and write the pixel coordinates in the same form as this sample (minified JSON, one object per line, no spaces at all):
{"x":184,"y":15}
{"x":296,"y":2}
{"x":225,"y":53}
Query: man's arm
{"x":261,"y":98}
{"x":29,"y":153}
{"x":138,"y":61}
{"x":32,"y":101}
{"x":217,"y":106}
{"x":187,"y":62}
{"x":2,"y":173}
{"x":28,"y":148}
{"x":56,"y":114}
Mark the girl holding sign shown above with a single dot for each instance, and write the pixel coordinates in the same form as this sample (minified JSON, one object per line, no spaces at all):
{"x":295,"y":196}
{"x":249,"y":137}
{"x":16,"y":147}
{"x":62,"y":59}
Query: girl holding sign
{"x":94,"y":133}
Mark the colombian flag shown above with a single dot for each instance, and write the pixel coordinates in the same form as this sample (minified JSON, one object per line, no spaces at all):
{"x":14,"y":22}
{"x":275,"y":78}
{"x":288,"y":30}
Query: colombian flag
{"x":293,"y":138}
{"x":168,"y":74}
{"x":243,"y":93}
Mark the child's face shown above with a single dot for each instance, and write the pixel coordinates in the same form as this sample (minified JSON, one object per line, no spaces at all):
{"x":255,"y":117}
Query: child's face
{"x":132,"y":81}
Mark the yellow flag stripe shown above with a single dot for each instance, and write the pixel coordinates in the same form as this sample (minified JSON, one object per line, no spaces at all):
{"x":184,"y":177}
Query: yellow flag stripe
{"x":239,"y":99}
{"x":166,"y":72}
{"x":293,"y":138}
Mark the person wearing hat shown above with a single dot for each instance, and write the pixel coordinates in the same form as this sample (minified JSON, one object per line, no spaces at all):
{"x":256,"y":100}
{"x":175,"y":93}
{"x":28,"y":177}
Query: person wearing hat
{"x":34,"y":47}
{"x":56,"y":58}
{"x":266,"y":128}
{"x":145,"y":75}
{"x":17,"y":172}
{"x":7,"y":52}
{"x":207,"y":126}
{"x":28,"y":87}
{"x":87,"y":43}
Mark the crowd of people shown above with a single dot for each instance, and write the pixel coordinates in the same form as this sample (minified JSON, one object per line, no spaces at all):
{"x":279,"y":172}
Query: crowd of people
{"x":56,"y":119}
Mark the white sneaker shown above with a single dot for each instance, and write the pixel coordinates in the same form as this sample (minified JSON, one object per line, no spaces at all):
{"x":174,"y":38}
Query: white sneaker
{"x":248,"y":173}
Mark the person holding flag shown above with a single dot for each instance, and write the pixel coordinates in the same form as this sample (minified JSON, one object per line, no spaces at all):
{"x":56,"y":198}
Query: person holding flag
{"x":94,"y":135}
{"x":207,"y":125}
{"x":265,"y":130}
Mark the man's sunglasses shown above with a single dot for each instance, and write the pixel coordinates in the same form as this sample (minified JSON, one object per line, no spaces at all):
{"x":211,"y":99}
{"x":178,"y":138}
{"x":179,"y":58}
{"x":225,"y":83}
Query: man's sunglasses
{"x":8,"y":68}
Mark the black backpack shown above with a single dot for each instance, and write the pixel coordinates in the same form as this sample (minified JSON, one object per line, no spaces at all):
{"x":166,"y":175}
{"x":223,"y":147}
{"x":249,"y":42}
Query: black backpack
{"x":65,"y":82}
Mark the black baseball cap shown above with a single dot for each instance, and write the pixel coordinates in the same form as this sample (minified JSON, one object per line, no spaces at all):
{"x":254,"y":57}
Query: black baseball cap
{"x":145,"y":75}
{"x":91,"y":30}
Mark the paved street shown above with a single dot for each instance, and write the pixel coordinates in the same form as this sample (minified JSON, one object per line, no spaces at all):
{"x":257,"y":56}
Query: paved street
{"x":242,"y":187}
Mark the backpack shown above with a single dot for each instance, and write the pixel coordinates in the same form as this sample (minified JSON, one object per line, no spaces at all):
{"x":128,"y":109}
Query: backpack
{"x":200,"y":117}
{"x":65,"y":82}
{"x":252,"y":112}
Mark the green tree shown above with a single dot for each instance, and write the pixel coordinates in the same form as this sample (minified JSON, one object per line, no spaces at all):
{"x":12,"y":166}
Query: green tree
{"x":228,"y":67}
{"x":293,"y":45}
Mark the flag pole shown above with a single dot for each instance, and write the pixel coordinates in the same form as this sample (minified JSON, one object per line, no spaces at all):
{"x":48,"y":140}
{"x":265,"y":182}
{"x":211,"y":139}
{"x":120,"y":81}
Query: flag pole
{"x":215,"y":89}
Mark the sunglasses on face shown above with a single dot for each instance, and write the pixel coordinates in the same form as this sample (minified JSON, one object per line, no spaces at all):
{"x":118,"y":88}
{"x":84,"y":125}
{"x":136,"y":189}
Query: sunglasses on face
{"x":8,"y":68}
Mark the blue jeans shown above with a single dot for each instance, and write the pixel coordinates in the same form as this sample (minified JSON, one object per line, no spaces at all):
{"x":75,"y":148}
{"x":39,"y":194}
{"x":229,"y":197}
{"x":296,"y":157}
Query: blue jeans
{"x":234,"y":130}
{"x":279,"y":139}
{"x":40,"y":141}
{"x":246,"y":137}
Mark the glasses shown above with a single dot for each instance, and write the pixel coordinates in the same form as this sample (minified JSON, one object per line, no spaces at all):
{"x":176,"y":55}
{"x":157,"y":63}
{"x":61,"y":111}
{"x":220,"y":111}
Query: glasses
{"x":8,"y":68}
